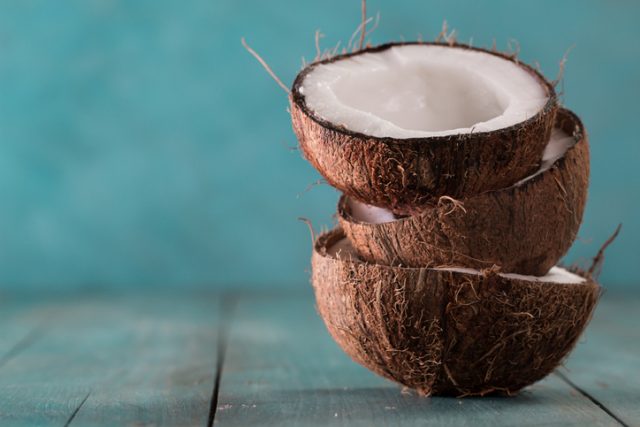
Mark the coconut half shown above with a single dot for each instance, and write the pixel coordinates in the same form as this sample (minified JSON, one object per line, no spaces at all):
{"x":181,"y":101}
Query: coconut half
{"x":449,"y":331}
{"x":402,"y":124}
{"x":525,"y":228}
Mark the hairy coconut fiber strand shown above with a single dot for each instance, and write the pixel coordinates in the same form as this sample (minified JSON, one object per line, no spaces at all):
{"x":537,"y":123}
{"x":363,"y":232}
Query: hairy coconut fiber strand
{"x":525,"y":228}
{"x":447,"y":332}
{"x":404,"y":175}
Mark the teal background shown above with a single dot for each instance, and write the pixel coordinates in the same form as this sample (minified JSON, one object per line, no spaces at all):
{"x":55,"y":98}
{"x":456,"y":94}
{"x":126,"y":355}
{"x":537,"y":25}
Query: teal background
{"x":142,"y":146}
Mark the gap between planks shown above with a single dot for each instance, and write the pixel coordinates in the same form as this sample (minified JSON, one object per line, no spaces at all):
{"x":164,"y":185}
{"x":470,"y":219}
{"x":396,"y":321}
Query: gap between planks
{"x":75,"y":412}
{"x":31,"y":337}
{"x":23,"y":344}
{"x":228,"y":302}
{"x":595,"y":401}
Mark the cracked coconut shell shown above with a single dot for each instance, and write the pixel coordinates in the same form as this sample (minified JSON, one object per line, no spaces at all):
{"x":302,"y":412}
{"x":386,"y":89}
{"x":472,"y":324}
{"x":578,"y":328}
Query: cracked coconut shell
{"x":446,"y":332}
{"x":525,"y":228}
{"x":406,"y":174}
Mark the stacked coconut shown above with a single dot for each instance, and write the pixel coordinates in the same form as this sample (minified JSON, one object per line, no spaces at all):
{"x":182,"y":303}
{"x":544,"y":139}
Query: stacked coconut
{"x":463,"y":185}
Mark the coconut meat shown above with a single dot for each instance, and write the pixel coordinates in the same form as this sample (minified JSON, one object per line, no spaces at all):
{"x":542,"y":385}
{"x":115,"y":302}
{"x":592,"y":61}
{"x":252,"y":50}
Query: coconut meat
{"x":555,"y":275}
{"x":422,"y":90}
{"x":342,"y":249}
{"x":361,"y":212}
{"x":558,"y":145}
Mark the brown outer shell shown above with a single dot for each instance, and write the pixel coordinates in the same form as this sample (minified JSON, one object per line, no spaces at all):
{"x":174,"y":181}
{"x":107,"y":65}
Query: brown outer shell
{"x":405,"y":174}
{"x":448,"y":333}
{"x":524,"y":229}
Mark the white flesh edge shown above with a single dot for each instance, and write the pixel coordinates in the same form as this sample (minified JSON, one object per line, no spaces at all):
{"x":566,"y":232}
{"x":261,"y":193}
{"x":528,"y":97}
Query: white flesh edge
{"x":415,"y":91}
{"x":343,"y":250}
{"x":558,"y":145}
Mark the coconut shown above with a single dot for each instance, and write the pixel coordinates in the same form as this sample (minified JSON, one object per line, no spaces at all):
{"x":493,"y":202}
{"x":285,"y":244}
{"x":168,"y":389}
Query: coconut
{"x":401,"y":124}
{"x":525,"y":228}
{"x":449,"y":331}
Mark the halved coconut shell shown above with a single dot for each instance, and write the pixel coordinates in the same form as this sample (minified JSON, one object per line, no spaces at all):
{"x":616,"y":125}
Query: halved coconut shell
{"x":525,"y":228}
{"x":448,"y":332}
{"x":405,"y":174}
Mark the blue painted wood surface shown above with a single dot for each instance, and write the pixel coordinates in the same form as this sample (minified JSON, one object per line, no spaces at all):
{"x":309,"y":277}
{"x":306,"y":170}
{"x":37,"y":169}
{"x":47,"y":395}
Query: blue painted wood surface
{"x":607,"y":365}
{"x":113,"y":361}
{"x":154,"y":360}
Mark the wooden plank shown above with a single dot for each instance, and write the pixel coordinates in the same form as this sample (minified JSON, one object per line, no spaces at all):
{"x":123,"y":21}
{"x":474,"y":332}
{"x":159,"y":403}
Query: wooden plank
{"x":282,"y":368}
{"x":607,"y":364}
{"x":22,"y":320}
{"x":116,"y":361}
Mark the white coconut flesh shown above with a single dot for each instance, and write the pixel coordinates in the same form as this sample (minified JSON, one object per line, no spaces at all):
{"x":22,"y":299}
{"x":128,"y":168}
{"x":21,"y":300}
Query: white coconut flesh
{"x":411,"y":91}
{"x":343,"y":250}
{"x":556,"y":148}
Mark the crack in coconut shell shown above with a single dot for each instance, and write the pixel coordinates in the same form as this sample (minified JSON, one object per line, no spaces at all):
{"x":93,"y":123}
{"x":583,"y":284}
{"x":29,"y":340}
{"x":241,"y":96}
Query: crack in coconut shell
{"x":448,"y":332}
{"x":525,"y":228}
{"x":404,"y":175}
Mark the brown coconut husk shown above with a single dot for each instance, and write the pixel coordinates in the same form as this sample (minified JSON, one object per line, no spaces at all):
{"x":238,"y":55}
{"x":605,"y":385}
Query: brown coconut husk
{"x":523,"y":229}
{"x":406,"y":174}
{"x":443,"y":332}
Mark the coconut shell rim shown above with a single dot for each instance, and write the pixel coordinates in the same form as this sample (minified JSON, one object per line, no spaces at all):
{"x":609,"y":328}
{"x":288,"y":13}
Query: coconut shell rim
{"x":300,"y":100}
{"x":328,"y":238}
{"x":564,"y":116}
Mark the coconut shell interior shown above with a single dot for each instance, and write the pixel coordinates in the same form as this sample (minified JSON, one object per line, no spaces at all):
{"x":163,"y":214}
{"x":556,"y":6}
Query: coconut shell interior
{"x":404,"y":175}
{"x":446,"y":332}
{"x":524,"y":228}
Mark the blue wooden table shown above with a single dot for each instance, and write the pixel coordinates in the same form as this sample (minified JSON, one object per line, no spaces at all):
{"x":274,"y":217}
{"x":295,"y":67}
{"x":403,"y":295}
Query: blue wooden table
{"x":266,"y":359}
